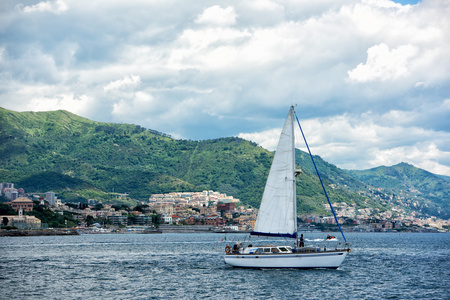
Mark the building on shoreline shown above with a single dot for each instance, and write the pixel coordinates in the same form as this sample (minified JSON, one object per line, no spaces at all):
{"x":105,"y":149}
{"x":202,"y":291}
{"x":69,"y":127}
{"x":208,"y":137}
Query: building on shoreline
{"x":21,"y":221}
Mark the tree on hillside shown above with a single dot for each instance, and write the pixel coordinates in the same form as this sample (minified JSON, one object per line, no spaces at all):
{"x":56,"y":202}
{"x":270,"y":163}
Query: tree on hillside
{"x":140,"y":207}
{"x":121,"y":207}
{"x":6,"y":209}
{"x":89,"y":220}
{"x":53,"y":219}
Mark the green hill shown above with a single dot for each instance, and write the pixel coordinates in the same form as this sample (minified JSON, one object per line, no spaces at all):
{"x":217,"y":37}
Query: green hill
{"x":122,"y":157}
{"x":410,"y":186}
{"x":81,"y":159}
{"x":342,"y":187}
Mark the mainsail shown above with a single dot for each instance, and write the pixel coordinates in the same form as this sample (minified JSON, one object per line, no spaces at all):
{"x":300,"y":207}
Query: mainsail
{"x":277,"y":214}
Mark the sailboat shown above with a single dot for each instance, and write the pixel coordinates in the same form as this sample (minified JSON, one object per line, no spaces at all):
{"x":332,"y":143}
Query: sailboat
{"x":277,"y":217}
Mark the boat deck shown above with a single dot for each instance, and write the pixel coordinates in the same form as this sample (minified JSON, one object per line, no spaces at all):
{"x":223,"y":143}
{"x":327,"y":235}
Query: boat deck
{"x":282,"y":250}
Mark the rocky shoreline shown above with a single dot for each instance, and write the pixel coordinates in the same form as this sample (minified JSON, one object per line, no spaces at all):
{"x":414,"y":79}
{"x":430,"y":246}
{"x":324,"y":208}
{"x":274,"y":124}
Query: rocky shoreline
{"x":45,"y":232}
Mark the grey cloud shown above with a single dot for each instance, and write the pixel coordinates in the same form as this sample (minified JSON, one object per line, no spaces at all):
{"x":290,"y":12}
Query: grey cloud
{"x":202,"y":80}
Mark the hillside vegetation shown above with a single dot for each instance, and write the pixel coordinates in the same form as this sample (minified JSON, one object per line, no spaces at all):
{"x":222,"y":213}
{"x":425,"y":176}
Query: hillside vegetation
{"x":81,"y":159}
{"x":410,"y":186}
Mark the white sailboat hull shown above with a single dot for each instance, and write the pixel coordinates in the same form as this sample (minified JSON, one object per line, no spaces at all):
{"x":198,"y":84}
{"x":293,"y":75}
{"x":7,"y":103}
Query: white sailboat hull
{"x":327,"y":259}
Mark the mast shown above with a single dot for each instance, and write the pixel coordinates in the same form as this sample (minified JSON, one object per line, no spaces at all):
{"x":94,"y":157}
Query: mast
{"x":294,"y":182}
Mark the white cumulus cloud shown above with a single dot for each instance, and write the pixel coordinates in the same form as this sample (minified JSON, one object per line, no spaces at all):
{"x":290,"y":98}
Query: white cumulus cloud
{"x":216,"y":15}
{"x":56,"y":7}
{"x":125,"y":83}
{"x":384,"y":64}
{"x":78,"y":105}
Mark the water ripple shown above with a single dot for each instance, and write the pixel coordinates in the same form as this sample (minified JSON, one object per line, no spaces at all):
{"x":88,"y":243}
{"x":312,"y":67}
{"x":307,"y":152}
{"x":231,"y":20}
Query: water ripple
{"x":190,"y":266}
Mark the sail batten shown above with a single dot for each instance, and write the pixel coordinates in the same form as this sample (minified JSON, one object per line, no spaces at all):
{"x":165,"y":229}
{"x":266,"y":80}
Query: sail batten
{"x":277,"y":214}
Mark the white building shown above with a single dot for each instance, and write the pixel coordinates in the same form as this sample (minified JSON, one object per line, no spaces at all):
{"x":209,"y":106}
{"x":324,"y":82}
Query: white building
{"x":167,"y":219}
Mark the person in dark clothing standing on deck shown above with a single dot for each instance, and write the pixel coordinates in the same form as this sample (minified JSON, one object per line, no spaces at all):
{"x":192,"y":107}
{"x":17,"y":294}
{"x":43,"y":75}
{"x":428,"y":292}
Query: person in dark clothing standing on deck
{"x":302,"y":244}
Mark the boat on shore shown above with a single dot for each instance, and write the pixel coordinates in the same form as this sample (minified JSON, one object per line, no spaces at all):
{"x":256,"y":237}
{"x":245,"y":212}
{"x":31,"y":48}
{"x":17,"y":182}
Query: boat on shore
{"x":277,"y":217}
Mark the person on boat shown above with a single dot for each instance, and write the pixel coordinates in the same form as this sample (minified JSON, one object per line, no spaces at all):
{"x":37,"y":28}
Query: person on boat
{"x":302,"y":243}
{"x":236,"y":248}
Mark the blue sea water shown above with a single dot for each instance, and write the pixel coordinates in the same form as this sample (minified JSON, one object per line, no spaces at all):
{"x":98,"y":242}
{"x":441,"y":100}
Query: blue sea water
{"x":191,"y":266}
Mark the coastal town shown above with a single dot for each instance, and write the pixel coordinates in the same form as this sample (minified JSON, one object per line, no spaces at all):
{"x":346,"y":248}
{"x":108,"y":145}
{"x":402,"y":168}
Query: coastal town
{"x":206,"y":210}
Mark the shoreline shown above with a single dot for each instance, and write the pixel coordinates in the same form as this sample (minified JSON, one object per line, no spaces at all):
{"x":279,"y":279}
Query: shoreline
{"x":44,"y":232}
{"x":162,"y":230}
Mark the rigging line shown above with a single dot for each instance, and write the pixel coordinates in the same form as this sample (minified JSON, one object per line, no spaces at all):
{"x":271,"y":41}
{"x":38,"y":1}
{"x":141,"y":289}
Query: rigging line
{"x":317,"y":171}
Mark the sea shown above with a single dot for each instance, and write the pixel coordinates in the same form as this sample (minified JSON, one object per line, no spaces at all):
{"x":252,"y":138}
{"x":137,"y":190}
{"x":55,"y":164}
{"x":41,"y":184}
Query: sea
{"x":191,"y":266}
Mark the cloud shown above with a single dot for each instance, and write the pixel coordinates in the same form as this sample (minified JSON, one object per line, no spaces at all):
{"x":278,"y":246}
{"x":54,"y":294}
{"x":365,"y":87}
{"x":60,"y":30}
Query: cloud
{"x":383,"y":64}
{"x":216,"y":15}
{"x":125,"y":83}
{"x":267,"y":139}
{"x":78,"y":105}
{"x":369,"y":140}
{"x":130,"y":109}
{"x":56,"y":7}
{"x":368,"y":77}
{"x":423,"y":155}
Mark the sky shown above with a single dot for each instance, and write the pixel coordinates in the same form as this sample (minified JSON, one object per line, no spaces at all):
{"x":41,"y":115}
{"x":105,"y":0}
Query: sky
{"x":369,"y":79}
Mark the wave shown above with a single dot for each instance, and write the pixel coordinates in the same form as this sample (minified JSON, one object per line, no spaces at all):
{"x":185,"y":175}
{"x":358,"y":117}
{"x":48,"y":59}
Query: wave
{"x":322,"y":240}
{"x":314,"y":240}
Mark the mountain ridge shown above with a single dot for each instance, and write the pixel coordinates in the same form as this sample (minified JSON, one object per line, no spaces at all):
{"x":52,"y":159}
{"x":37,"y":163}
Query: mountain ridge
{"x":415,"y":184}
{"x":130,"y":158}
